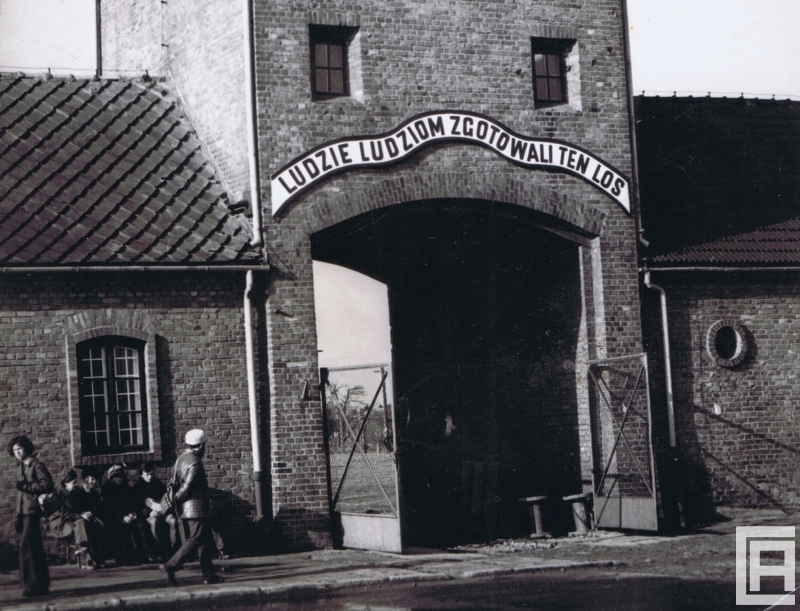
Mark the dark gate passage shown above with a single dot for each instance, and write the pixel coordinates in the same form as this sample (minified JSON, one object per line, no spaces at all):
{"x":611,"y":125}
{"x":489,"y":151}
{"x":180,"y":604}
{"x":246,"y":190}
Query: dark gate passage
{"x":485,"y":309}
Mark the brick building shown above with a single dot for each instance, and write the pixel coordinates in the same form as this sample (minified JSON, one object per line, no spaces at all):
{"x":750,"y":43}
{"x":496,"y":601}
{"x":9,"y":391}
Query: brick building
{"x":123,"y":284}
{"x":504,"y":278}
{"x":719,"y":182}
{"x":474,"y":157}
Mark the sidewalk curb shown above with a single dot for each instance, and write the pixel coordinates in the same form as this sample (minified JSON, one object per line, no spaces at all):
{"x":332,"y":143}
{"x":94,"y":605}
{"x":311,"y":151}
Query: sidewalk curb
{"x":254,"y":592}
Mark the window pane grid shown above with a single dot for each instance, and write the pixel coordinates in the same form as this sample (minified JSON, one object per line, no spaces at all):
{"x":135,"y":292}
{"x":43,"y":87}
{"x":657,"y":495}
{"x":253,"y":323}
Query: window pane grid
{"x":126,"y":362}
{"x":328,"y":68}
{"x":95,"y":363}
{"x":548,"y":85}
{"x":97,"y":400}
{"x":335,"y":56}
{"x":553,"y":64}
{"x":111,"y":397}
{"x":337,"y":81}
{"x":321,"y":55}
{"x":322,"y":80}
{"x":96,"y":397}
{"x":130,"y":428}
{"x":555,"y":89}
{"x":128,"y":395}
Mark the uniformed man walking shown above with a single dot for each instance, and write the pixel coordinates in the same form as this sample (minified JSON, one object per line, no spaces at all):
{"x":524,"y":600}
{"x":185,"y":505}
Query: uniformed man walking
{"x":188,"y":491}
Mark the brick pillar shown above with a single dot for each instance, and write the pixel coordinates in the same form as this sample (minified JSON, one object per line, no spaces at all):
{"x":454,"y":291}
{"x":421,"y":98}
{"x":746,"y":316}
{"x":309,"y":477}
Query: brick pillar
{"x":298,"y":465}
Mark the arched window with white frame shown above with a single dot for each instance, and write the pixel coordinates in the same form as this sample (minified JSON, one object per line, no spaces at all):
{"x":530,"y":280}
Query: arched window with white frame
{"x":112,"y":392}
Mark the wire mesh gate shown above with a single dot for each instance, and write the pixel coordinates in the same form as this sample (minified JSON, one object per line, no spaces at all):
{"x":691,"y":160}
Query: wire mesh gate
{"x":624,"y":472}
{"x":359,"y":422}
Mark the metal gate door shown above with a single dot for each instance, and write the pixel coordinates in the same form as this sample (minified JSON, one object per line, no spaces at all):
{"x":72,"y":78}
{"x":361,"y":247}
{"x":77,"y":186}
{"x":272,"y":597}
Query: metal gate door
{"x":360,"y":437}
{"x":624,"y":473}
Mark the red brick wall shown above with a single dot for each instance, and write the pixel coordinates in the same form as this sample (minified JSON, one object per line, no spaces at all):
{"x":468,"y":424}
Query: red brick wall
{"x":198,"y":46}
{"x":417,"y":57}
{"x":746,"y":455}
{"x":206,"y":61}
{"x":197,"y":324}
{"x":131,"y":35}
{"x":414,"y":57}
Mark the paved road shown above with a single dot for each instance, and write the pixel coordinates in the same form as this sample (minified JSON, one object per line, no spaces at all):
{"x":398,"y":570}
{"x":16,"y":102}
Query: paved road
{"x":596,"y":589}
{"x":604,"y":571}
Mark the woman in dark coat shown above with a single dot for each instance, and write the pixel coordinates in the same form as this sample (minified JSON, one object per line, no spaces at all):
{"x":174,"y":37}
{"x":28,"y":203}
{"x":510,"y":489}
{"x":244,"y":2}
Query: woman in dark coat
{"x":33,"y":479}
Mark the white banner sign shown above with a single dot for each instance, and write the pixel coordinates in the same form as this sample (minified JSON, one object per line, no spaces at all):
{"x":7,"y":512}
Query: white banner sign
{"x":368,"y":151}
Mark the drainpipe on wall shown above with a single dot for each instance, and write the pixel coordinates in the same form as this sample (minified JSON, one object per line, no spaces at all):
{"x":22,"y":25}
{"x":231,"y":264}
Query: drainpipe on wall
{"x":250,"y":113}
{"x":251,"y":393}
{"x":98,"y":39}
{"x":667,"y":358}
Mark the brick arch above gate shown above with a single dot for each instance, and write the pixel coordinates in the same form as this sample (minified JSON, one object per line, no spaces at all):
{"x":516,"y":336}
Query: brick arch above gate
{"x":453,"y":185}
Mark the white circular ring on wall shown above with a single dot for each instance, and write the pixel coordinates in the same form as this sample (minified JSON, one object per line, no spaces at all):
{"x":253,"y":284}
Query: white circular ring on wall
{"x":726,"y":343}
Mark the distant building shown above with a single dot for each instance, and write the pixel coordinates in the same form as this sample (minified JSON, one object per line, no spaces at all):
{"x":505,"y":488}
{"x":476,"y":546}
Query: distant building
{"x":719,"y":183}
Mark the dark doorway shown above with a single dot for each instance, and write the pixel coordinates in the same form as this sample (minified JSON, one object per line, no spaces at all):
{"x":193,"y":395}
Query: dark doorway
{"x":485,"y":310}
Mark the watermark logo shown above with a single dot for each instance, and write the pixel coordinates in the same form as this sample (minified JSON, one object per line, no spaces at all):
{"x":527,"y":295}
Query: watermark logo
{"x":751,"y":542}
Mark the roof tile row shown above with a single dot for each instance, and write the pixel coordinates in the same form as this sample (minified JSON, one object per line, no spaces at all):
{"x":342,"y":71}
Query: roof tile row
{"x":108,"y":172}
{"x":777,"y":244}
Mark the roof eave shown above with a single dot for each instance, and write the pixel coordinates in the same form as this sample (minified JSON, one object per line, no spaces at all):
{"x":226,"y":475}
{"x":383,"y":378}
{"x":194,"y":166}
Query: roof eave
{"x":721,"y":268}
{"x":50,"y":269}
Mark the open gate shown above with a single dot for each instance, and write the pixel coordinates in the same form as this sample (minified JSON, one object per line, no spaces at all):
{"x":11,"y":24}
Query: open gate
{"x":624,"y":472}
{"x":360,"y":445}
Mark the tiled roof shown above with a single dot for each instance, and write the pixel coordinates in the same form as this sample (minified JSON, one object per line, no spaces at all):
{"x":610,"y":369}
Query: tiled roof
{"x":102,"y":172}
{"x":713,"y":170}
{"x":774,"y":245}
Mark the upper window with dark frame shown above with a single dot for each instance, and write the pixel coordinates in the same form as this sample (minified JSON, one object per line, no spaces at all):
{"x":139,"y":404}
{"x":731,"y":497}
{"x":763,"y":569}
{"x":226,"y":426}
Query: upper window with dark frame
{"x":329,"y":69}
{"x":111,"y":388}
{"x":549,"y":71}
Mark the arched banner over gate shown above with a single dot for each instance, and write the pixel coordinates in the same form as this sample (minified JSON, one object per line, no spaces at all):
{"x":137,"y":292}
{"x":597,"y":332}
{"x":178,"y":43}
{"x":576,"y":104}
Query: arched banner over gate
{"x":344,"y":154}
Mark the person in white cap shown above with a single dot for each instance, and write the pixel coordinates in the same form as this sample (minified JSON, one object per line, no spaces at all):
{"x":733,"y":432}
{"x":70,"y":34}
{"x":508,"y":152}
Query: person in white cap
{"x":188,"y":491}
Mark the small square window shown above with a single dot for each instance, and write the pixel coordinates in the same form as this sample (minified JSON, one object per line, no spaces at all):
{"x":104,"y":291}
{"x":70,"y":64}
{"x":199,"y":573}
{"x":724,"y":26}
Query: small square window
{"x":329,"y":70}
{"x":549,"y":71}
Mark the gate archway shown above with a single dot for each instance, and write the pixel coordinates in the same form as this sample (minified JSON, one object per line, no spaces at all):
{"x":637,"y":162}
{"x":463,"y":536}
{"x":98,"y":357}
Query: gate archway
{"x":486,"y":186}
{"x":486,"y":309}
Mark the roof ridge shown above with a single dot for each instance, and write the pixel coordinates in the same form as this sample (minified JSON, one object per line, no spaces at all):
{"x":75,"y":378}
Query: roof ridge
{"x":51,"y":133}
{"x":779,"y":242}
{"x":96,"y":171}
{"x":50,"y":155}
{"x":46,"y":107}
{"x":16,"y":100}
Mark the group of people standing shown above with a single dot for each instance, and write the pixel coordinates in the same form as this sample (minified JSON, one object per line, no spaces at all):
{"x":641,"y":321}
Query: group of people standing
{"x":131,"y":524}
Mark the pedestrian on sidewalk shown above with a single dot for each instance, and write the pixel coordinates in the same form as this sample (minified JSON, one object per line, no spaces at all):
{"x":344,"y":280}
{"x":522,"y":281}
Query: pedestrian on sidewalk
{"x":188,"y":492}
{"x":33,"y":480}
